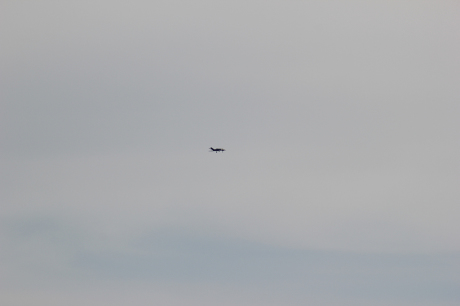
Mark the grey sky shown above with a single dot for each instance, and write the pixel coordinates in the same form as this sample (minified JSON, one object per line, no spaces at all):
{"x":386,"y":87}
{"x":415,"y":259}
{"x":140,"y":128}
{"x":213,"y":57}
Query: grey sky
{"x":340,"y":180}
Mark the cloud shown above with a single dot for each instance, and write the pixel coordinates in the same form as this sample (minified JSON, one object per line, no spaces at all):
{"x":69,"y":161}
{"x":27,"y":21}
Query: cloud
{"x":332,"y":201}
{"x":178,"y":259}
{"x":340,"y":122}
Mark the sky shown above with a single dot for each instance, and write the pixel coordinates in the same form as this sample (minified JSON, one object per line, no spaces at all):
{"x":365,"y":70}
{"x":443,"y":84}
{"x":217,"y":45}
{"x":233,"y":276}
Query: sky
{"x":338,"y":186}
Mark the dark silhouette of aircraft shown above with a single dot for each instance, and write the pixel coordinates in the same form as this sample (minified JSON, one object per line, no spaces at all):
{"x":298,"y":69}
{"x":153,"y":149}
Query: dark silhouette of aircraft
{"x":216,"y":149}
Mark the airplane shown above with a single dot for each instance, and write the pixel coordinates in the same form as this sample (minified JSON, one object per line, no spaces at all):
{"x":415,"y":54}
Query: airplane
{"x":217,"y":149}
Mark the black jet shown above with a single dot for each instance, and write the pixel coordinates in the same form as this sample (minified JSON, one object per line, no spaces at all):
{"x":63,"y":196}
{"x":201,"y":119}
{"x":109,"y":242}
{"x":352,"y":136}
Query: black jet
{"x":217,"y":149}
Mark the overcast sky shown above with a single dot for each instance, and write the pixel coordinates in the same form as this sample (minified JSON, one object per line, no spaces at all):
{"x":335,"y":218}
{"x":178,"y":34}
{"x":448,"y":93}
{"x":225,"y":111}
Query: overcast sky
{"x":340,"y":180}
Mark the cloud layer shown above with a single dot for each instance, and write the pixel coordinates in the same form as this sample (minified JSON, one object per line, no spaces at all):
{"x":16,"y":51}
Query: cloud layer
{"x":340,"y":179}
